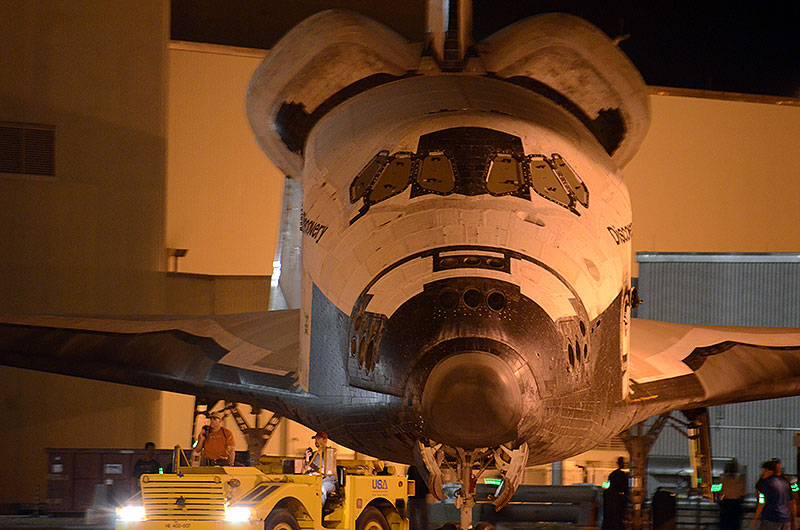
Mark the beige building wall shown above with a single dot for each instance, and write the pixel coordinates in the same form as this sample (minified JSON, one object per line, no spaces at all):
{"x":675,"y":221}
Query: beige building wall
{"x":717,"y":175}
{"x":40,"y":411}
{"x":91,"y":239}
{"x":223,"y":194}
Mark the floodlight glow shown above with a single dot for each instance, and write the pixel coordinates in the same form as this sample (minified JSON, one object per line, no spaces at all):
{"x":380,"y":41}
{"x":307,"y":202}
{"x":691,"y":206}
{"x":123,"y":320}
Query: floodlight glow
{"x":131,"y":513}
{"x":237,"y":514}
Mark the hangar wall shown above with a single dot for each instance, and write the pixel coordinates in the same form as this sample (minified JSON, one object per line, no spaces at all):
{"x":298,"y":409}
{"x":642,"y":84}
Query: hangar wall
{"x":89,"y":240}
{"x":716,"y":175}
{"x":152,"y":153}
{"x":729,"y":290}
{"x":223,"y":194}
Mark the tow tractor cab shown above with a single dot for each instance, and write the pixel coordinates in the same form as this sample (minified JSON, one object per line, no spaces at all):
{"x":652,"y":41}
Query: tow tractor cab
{"x":262,"y":497}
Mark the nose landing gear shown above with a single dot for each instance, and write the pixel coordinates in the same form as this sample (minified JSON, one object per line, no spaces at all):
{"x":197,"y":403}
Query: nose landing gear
{"x":468,"y":466}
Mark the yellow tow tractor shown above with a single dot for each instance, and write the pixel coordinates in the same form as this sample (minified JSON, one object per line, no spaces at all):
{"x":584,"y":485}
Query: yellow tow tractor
{"x":200,"y":498}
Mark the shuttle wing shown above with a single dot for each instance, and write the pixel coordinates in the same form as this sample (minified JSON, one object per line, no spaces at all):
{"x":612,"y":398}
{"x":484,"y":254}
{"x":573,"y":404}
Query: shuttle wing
{"x":244,"y":355}
{"x":712,"y":365}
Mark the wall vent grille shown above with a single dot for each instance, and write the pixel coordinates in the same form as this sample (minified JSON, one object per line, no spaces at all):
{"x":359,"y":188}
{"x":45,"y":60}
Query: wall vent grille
{"x":27,"y":149}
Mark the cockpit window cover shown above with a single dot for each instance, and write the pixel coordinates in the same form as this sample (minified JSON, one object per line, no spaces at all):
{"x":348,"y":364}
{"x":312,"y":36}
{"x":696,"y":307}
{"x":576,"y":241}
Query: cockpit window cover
{"x":393,"y":179}
{"x":574,"y":182}
{"x":436,"y":174}
{"x":362,"y":183}
{"x":468,"y":161}
{"x":546,"y":183}
{"x":504,"y":174}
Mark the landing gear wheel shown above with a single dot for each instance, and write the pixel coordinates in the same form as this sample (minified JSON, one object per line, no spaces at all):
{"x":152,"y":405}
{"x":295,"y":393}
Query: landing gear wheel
{"x":483,"y":525}
{"x":371,"y":519}
{"x":281,"y":519}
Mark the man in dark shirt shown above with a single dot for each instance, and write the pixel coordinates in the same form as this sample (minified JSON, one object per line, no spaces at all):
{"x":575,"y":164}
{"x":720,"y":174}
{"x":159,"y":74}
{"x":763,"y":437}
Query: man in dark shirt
{"x":766,"y":473}
{"x":618,"y":479}
{"x":417,"y":504}
{"x":777,"y":509}
{"x":147,"y":465}
{"x":615,"y":498}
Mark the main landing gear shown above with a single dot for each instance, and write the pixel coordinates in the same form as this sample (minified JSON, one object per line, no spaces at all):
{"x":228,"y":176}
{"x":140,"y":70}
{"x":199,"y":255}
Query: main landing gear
{"x":434,"y":458}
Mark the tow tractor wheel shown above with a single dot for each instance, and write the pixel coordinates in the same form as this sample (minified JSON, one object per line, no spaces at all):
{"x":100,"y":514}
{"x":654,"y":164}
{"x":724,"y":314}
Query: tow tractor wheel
{"x":281,"y":519}
{"x":483,"y":525}
{"x":371,"y":519}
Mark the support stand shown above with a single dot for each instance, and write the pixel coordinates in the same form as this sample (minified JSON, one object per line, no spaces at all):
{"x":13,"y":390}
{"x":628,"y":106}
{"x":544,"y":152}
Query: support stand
{"x":700,"y":451}
{"x":638,"y":443}
{"x":256,"y":437}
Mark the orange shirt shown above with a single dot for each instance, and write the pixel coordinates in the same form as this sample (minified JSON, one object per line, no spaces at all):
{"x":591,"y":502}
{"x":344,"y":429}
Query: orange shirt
{"x":217,"y":443}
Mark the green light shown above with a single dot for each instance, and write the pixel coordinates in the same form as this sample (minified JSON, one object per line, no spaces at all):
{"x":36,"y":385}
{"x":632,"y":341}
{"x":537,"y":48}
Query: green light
{"x":716,"y":487}
{"x":161,"y":471}
{"x":795,"y":488}
{"x":493,"y":481}
{"x":606,"y":484}
{"x":760,"y":498}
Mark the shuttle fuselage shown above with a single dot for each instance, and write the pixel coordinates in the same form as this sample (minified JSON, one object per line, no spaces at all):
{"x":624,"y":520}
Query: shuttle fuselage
{"x":469,"y":240}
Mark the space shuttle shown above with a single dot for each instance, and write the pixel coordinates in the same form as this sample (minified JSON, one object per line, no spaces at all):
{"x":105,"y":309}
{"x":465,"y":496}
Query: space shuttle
{"x":466,"y":260}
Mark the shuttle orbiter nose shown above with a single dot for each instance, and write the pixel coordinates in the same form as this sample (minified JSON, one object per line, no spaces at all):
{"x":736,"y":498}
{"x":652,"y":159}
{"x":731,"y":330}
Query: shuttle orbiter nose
{"x":471,"y":399}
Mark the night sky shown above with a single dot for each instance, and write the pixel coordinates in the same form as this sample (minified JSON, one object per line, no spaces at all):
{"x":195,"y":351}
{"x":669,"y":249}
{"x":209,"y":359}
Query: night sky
{"x":748,"y":47}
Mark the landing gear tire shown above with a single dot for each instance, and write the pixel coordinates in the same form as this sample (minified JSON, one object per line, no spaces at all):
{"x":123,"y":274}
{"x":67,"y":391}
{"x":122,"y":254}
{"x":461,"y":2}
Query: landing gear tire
{"x":371,"y":519}
{"x":281,"y":519}
{"x":483,"y":525}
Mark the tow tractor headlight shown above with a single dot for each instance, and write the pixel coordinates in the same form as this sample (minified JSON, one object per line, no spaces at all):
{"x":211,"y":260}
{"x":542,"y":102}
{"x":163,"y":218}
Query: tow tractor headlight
{"x":131,"y":513}
{"x":237,"y":514}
